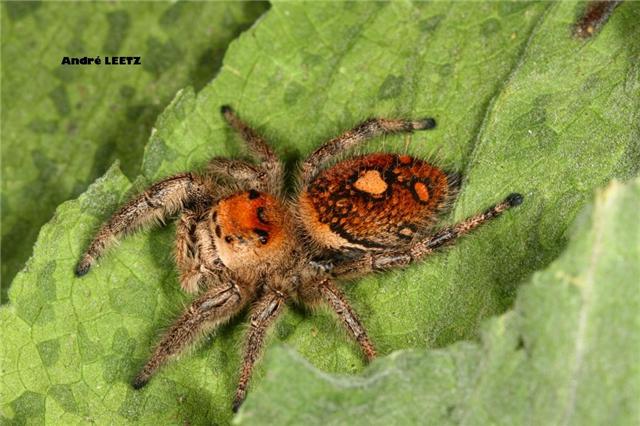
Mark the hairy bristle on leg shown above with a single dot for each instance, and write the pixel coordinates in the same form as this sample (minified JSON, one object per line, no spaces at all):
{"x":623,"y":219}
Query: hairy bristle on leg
{"x":263,"y":313}
{"x":215,"y":306}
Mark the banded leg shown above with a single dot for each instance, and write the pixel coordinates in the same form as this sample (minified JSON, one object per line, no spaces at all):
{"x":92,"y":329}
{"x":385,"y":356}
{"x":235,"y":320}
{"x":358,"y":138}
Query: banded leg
{"x":239,"y":171}
{"x":196,"y":255}
{"x":215,"y":306}
{"x":153,"y":205}
{"x":255,"y":143}
{"x":263,"y":313}
{"x":371,"y":262}
{"x":363,"y":132}
{"x":338,"y":302}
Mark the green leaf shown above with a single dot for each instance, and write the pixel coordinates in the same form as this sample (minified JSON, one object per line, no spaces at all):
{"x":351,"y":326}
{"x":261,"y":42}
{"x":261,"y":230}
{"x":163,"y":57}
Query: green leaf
{"x":566,"y":354}
{"x":521,"y":106}
{"x":62,"y":126}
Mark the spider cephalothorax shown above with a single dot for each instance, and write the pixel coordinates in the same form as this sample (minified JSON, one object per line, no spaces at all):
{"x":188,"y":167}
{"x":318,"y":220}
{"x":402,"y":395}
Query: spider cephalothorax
{"x":250,"y":230}
{"x":240,"y":241}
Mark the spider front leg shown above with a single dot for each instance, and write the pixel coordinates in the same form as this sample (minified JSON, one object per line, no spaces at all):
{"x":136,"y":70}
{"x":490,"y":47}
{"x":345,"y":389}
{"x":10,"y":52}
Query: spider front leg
{"x":153,"y":205}
{"x":256,"y":144}
{"x":372,"y":262}
{"x":240,"y":171}
{"x":214,"y":307}
{"x":361,"y":133}
{"x":263,"y":313}
{"x":196,"y":255}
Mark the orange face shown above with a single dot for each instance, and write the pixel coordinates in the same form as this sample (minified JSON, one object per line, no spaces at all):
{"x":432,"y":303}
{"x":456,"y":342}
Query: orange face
{"x":374,"y":201}
{"x":248,"y":228}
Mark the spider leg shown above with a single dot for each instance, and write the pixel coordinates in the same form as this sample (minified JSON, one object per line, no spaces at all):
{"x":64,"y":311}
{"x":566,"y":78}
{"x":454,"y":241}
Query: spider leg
{"x":239,"y":171}
{"x":256,"y":144}
{"x":186,"y":254}
{"x":372,"y":262}
{"x":156,"y":203}
{"x":263,"y":313}
{"x":361,"y":133}
{"x":338,"y":302}
{"x":196,"y":255}
{"x":216,"y":305}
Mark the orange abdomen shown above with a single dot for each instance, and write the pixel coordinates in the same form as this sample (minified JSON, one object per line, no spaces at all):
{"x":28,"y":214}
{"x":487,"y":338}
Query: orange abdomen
{"x":374,"y":201}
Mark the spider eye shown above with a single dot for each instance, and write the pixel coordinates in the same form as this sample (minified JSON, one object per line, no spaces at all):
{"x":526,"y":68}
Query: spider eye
{"x":228,"y":239}
{"x":262,"y":217}
{"x":263,"y":235}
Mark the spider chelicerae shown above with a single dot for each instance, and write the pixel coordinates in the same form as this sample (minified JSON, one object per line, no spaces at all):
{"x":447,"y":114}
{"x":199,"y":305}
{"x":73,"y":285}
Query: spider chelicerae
{"x":241,"y":240}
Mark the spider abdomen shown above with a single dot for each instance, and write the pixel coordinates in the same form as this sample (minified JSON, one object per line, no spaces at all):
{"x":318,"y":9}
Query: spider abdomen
{"x":374,"y":201}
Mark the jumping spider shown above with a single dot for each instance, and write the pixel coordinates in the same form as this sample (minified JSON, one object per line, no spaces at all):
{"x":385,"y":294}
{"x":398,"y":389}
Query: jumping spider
{"x":244,"y":242}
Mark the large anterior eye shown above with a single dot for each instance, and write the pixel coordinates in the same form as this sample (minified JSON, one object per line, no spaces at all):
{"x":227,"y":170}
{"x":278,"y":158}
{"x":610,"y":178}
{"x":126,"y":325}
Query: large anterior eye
{"x":263,"y":236}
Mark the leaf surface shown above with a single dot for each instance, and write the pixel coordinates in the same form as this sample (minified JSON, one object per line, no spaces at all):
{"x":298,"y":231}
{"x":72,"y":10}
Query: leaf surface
{"x":566,"y":354}
{"x":521,"y":106}
{"x":63,"y":125}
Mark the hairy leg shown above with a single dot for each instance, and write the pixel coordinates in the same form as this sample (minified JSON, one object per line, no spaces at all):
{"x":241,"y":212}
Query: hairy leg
{"x":371,"y":262}
{"x":338,"y":302}
{"x":186,"y":252}
{"x":263,"y":313}
{"x":255,"y":143}
{"x":196,"y":255}
{"x":153,"y":205}
{"x":217,"y":305}
{"x":361,"y":133}
{"x":239,"y":171}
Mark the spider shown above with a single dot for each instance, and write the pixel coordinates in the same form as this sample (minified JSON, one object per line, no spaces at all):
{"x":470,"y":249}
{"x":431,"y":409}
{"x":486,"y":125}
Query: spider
{"x":242,"y":240}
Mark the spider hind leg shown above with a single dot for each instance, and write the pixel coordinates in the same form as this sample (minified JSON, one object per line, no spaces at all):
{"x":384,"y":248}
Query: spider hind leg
{"x":418,"y":250}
